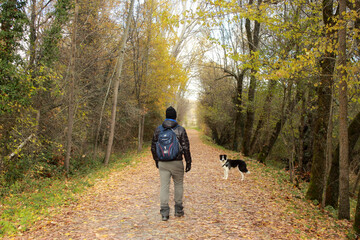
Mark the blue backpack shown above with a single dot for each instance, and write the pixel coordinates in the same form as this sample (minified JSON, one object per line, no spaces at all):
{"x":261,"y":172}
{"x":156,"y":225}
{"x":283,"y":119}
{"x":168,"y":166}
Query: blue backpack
{"x":167,"y":146}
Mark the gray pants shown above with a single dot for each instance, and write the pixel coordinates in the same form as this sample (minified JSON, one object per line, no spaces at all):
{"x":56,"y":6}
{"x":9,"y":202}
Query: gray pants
{"x":174,"y":170}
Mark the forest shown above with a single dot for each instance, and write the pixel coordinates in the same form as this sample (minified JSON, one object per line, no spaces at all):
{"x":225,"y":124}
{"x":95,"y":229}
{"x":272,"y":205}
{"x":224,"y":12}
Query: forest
{"x":275,"y":80}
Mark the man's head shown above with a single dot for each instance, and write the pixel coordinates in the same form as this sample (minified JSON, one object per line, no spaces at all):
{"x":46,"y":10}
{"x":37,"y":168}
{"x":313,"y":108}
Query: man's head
{"x":171,"y":113}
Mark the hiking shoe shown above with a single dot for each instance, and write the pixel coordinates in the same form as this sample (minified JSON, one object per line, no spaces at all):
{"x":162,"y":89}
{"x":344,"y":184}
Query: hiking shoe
{"x":165,"y":212}
{"x":179,"y":212}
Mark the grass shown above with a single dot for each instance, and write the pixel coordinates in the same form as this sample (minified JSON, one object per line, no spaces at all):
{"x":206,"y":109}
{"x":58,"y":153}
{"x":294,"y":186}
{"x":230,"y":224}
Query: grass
{"x":31,"y":200}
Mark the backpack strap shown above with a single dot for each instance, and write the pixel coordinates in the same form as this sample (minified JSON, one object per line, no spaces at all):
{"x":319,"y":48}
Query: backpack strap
{"x":173,"y":129}
{"x":163,"y":128}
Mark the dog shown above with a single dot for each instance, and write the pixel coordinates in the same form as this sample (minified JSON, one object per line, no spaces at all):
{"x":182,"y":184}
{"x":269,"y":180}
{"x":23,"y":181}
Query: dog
{"x":227,"y":164}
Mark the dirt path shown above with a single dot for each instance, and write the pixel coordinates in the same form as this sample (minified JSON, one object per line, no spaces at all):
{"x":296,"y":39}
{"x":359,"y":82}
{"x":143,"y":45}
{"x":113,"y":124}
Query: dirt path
{"x":126,"y":206}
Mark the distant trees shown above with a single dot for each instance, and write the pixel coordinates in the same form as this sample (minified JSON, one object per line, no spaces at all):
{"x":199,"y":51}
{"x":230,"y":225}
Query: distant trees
{"x":217,"y":104}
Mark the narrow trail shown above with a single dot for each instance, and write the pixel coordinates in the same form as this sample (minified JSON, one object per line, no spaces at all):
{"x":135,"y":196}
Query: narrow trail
{"x":125,"y":205}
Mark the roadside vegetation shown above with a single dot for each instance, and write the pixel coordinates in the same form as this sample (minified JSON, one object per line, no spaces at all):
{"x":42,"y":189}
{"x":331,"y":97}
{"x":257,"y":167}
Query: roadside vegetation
{"x":31,"y":199}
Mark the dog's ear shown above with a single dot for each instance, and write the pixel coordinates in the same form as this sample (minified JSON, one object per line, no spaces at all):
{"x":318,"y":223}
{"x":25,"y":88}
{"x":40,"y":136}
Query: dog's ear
{"x":225,"y":157}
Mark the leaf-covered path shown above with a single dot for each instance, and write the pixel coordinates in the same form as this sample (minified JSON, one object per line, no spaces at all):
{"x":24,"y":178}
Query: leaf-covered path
{"x":125,"y":205}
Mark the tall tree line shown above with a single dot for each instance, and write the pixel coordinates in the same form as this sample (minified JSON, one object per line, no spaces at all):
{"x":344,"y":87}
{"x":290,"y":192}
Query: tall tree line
{"x":281,"y":83}
{"x":59,"y":62}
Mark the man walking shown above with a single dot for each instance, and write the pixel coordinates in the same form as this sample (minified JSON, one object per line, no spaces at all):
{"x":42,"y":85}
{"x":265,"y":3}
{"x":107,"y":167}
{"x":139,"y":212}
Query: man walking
{"x":168,"y":160}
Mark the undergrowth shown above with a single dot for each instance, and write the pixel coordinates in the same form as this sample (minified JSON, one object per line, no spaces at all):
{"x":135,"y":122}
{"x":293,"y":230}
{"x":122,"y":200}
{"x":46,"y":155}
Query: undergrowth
{"x":32,"y":199}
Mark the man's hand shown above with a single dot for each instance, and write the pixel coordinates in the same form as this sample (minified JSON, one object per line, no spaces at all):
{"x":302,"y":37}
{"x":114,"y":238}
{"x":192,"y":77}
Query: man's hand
{"x":157,"y":164}
{"x":188,"y":167}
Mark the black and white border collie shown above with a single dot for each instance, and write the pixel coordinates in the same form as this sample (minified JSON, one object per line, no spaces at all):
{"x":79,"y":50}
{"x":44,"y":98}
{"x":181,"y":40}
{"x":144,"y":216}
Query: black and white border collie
{"x":227,"y":164}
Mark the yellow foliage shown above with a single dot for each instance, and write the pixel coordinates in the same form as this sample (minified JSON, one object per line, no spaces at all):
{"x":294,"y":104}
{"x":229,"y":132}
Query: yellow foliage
{"x":164,"y":76}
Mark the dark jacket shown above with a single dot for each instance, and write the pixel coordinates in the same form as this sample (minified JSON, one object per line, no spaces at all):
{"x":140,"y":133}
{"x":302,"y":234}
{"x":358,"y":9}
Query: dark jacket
{"x":181,"y":136}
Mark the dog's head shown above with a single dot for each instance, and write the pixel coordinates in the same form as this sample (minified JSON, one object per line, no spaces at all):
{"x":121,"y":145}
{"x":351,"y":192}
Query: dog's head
{"x":223,"y":158}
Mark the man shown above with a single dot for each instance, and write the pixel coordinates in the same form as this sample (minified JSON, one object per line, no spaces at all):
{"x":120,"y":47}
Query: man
{"x":173,"y":168}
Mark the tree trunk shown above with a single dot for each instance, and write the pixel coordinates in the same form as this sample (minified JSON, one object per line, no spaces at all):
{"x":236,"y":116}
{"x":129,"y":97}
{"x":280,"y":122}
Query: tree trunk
{"x":356,"y":225}
{"x":329,"y":151}
{"x":253,"y":42}
{"x":292,"y":161}
{"x":250,"y":114}
{"x":344,"y":189}
{"x":239,"y":123}
{"x":353,"y":192}
{"x":302,"y":135}
{"x":308,"y":130}
{"x":264,"y":115}
{"x":332,"y":189}
{"x":71,"y":106}
{"x":143,"y":77}
{"x":102,"y":112}
{"x":117,"y":83}
{"x":327,"y":64}
{"x":32,"y":36}
{"x":275,"y":134}
{"x":318,"y":169}
{"x":141,"y":131}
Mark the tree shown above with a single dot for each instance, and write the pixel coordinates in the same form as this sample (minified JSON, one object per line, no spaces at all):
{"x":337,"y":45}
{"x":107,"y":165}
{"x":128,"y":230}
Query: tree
{"x":253,"y":44}
{"x":285,"y":114}
{"x":12,"y":23}
{"x":228,"y":29}
{"x":117,"y":82}
{"x":182,"y":36}
{"x":46,"y":33}
{"x":216,"y":104}
{"x":71,"y":104}
{"x":279,"y":73}
{"x":332,"y":189}
{"x":344,"y":202}
{"x":14,"y":86}
{"x":233,"y":47}
{"x":332,"y":193}
{"x":141,"y":44}
{"x":323,"y":90}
